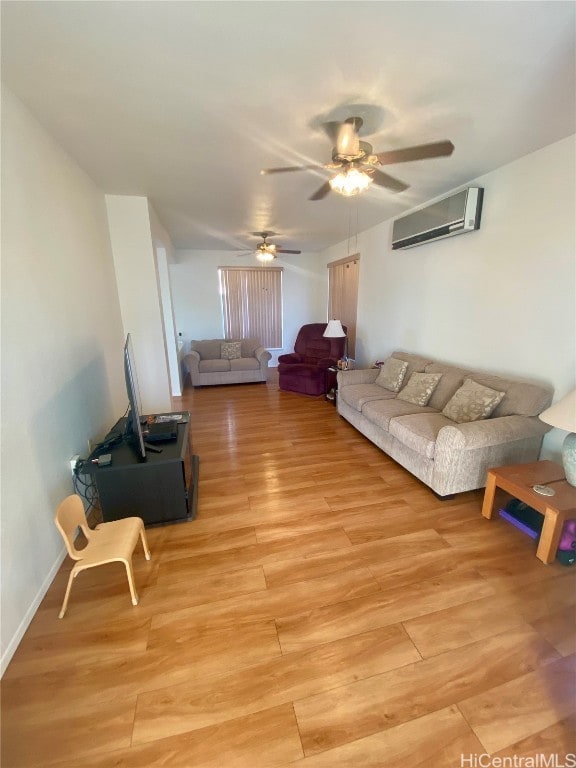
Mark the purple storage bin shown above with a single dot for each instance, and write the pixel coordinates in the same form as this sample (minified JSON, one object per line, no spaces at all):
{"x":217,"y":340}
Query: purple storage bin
{"x":522,"y":526}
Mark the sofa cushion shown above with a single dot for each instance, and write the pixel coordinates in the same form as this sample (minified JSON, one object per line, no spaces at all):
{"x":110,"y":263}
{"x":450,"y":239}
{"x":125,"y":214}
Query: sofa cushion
{"x":419,"y":388}
{"x":472,"y":402}
{"x":416,"y":363}
{"x":356,"y":395}
{"x":213,"y":366}
{"x":419,"y":431}
{"x":230,"y":350}
{"x":249,"y":347}
{"x":521,"y":399}
{"x":452,"y":379}
{"x":380,"y":412}
{"x":208,"y":349}
{"x":392,"y":374}
{"x":244,"y":364}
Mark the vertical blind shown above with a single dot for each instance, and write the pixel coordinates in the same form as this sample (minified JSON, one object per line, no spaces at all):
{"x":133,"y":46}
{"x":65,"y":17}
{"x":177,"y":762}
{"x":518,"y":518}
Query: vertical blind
{"x":252,"y":304}
{"x":343,"y":295}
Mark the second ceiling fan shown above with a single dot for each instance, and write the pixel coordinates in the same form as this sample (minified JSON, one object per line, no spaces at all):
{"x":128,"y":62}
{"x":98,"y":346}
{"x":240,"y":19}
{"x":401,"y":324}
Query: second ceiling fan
{"x":266,"y":251}
{"x":356,"y":161}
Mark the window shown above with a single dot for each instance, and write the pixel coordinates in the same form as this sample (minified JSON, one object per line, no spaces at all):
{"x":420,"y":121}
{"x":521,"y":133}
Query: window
{"x":343,"y":295}
{"x":252,"y":304}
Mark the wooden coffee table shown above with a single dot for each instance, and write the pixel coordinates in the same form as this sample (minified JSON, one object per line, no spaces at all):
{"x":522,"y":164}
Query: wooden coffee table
{"x":516,"y":481}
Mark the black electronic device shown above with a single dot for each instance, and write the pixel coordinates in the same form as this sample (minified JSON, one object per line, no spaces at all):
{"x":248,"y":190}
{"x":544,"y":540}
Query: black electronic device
{"x":160,"y":433}
{"x":133,"y":432}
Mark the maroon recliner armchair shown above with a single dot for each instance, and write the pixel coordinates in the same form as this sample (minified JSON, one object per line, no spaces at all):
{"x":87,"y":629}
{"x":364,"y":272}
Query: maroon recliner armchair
{"x":306,"y":369}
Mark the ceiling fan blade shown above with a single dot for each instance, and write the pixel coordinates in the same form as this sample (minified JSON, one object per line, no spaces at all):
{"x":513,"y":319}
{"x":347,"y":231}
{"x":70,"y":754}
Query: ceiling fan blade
{"x":421,"y":152}
{"x":284,"y":250}
{"x":290,"y":168}
{"x":384,"y":180}
{"x":321,"y":192}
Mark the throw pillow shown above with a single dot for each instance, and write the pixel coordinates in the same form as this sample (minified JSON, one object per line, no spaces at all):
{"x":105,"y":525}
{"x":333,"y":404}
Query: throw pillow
{"x":472,"y":402}
{"x":392,"y":374}
{"x":230,"y":350}
{"x":420,"y":388}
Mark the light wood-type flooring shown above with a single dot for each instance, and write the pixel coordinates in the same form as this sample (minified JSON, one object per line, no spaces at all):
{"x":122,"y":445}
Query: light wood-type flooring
{"x":325,"y":609}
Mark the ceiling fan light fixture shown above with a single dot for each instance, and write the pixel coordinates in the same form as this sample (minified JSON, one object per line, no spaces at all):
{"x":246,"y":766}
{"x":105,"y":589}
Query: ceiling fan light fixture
{"x":350,"y":182}
{"x":265,"y":254}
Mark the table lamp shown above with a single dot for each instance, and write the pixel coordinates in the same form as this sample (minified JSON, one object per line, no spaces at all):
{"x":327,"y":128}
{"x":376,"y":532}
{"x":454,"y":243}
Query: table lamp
{"x":563,"y":416}
{"x":334,"y":330}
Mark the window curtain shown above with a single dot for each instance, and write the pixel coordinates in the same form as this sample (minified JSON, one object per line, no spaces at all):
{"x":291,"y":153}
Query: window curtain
{"x":343,"y":295}
{"x":252,"y":304}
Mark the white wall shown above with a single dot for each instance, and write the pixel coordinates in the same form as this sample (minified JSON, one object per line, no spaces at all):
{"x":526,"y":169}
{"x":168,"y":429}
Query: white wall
{"x":196,"y":293}
{"x":502,"y":298}
{"x":163,"y":251}
{"x":61,"y":351}
{"x":138,"y":289}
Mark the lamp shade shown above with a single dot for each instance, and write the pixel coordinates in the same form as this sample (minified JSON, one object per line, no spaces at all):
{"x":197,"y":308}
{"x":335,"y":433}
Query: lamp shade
{"x":563,"y":416}
{"x":334,"y":330}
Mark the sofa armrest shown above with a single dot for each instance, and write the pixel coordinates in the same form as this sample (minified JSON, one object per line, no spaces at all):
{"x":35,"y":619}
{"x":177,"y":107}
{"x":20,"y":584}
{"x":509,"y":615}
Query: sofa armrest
{"x":290,"y":357}
{"x":263,"y":356}
{"x":192,"y":361}
{"x":465,"y":452}
{"x":357,"y":376}
{"x":490,"y":432}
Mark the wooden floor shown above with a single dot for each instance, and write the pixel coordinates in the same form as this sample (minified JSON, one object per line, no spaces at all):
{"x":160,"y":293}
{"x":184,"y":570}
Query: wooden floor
{"x":325,"y":609}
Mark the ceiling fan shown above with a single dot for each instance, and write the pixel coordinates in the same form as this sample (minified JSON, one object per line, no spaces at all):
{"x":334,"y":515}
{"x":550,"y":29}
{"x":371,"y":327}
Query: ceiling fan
{"x":356,"y":161}
{"x":266,"y":251}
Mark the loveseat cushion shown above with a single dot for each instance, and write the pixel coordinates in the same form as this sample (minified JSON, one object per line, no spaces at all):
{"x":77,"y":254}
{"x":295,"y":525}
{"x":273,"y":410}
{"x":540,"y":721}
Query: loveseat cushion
{"x":416,"y":363}
{"x":356,"y":395}
{"x":452,"y":379}
{"x":392,"y":374}
{"x":521,"y":398}
{"x":214,"y":366}
{"x":208,"y":349}
{"x":230,"y":350}
{"x":249,"y":347}
{"x":419,"y":431}
{"x":420,"y":388}
{"x":244,"y":364}
{"x":380,"y":412}
{"x":472,"y":402}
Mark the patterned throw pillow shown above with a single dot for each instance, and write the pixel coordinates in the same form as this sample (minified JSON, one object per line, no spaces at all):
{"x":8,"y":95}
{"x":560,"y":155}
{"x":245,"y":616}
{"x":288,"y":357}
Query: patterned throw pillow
{"x":392,"y":374}
{"x":472,"y":402}
{"x":230,"y":350}
{"x":420,"y":388}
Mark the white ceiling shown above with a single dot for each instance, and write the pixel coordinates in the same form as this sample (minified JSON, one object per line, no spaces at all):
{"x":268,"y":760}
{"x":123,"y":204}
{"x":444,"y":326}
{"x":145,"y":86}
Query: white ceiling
{"x":185,"y":102}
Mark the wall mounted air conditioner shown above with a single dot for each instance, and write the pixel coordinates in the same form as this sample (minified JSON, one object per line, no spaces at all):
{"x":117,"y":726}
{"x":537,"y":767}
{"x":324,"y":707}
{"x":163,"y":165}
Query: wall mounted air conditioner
{"x":453,"y":215}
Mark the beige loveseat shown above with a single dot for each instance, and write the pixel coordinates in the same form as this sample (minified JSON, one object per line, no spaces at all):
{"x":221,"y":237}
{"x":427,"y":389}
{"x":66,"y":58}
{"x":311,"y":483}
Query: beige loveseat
{"x":450,"y":457}
{"x":226,"y":361}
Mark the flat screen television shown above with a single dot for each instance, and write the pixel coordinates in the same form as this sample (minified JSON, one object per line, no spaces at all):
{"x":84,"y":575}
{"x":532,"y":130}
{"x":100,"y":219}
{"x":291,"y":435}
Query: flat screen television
{"x":133,"y":431}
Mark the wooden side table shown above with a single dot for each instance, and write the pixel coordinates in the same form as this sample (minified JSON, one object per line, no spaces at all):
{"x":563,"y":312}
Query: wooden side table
{"x":331,"y":384}
{"x":517,"y":481}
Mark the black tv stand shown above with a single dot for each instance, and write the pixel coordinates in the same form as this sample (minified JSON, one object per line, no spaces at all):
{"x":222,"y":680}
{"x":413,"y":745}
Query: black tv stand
{"x":162,"y":489}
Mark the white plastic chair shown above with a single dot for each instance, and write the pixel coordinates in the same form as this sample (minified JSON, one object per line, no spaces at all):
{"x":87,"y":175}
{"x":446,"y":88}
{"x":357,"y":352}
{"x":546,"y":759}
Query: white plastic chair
{"x":107,"y":543}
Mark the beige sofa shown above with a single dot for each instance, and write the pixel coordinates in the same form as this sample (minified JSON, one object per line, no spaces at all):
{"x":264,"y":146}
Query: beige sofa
{"x":206,"y":365}
{"x":448,"y":456}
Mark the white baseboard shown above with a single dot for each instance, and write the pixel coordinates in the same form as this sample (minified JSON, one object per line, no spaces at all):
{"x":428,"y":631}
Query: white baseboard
{"x":29,"y":615}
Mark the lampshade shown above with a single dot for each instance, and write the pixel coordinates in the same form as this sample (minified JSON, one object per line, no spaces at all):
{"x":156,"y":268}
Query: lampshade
{"x":350,"y":182}
{"x":563,"y":416}
{"x":334,"y":330}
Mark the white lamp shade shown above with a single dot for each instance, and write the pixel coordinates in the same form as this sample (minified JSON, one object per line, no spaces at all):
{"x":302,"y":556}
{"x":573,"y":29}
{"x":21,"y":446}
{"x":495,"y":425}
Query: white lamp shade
{"x":562,"y":414}
{"x":334,"y":330}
